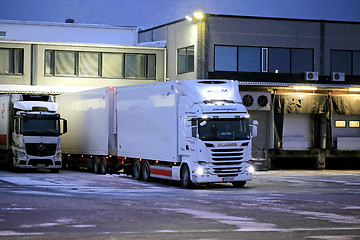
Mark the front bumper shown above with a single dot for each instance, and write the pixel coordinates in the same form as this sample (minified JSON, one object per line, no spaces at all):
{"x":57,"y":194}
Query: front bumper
{"x":21,"y":160}
{"x":208,"y":177}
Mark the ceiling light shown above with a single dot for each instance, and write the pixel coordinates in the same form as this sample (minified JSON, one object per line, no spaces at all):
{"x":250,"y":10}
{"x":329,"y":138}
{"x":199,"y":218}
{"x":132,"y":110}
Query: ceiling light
{"x":304,"y":88}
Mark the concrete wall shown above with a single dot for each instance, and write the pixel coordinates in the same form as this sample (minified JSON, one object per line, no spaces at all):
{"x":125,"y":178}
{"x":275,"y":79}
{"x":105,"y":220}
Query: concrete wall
{"x":260,"y":32}
{"x":178,"y":35}
{"x":340,"y":36}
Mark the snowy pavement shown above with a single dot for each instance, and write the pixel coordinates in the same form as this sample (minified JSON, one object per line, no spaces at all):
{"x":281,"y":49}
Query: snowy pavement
{"x":275,"y":205}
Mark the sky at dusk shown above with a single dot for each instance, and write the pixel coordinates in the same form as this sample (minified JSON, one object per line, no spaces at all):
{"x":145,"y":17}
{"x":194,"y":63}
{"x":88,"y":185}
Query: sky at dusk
{"x":149,"y":13}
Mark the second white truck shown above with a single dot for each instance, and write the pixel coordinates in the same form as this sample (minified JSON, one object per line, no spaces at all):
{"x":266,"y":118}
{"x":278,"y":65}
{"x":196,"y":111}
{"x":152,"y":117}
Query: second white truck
{"x":30,"y":130}
{"x":193,"y":131}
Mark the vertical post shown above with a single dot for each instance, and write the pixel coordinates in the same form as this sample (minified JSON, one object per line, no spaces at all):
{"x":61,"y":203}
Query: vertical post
{"x":202,"y":54}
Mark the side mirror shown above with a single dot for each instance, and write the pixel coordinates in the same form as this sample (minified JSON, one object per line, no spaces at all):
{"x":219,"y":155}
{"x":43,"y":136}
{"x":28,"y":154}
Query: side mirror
{"x":254,"y":128}
{"x":64,"y":126}
{"x":17,"y":125}
{"x":190,"y":129}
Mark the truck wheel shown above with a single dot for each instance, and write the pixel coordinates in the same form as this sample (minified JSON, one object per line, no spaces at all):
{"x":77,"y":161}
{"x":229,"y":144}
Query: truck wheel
{"x":11,"y":161}
{"x":96,"y":165}
{"x":185,"y":177}
{"x":102,"y":166}
{"x":136,"y":170}
{"x":66,"y":163}
{"x":239,"y":184}
{"x":145,"y":170}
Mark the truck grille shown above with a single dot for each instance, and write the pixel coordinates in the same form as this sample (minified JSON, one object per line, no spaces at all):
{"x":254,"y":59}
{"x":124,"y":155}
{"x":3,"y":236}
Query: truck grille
{"x":40,"y":149}
{"x":46,"y":162}
{"x":226,"y":161}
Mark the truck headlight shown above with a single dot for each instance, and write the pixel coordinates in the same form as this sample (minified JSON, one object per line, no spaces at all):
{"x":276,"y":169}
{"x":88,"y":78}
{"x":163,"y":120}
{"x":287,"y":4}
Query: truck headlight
{"x":58,"y":156}
{"x":22,"y":155}
{"x":251,"y":169}
{"x":200,"y":171}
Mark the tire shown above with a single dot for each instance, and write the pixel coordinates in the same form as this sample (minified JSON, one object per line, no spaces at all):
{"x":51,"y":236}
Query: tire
{"x":145,"y":171}
{"x":65,"y":164}
{"x":102,"y":166}
{"x":11,"y":161}
{"x":96,"y":165}
{"x":185,"y":177}
{"x":239,"y":184}
{"x":56,"y":170}
{"x":136,"y":170}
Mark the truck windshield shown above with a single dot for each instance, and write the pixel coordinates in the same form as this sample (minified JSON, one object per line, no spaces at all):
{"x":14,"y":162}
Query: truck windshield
{"x":40,"y":126}
{"x":224,"y":129}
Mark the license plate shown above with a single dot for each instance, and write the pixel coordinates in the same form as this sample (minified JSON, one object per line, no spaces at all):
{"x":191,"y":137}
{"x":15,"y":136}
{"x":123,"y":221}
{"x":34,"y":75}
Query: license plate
{"x":228,"y":179}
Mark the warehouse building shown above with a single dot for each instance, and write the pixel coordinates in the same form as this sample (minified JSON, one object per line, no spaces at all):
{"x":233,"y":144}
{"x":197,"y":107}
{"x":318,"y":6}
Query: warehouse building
{"x":299,"y":78}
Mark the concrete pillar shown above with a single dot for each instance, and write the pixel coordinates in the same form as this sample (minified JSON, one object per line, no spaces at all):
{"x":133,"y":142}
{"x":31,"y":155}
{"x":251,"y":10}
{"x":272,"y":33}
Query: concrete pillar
{"x":320,"y":158}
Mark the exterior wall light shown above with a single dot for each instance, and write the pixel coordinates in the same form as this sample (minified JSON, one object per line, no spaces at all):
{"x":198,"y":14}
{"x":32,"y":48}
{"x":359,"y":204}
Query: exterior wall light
{"x":188,"y":18}
{"x":198,"y":15}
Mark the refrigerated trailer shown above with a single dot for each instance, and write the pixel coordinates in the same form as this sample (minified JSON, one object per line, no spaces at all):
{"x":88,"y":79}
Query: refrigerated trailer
{"x":30,"y":130}
{"x":193,"y":131}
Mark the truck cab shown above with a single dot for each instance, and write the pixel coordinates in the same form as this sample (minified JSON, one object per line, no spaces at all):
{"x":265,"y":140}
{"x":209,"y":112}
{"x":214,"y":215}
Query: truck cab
{"x":215,"y":136}
{"x":35,"y":129}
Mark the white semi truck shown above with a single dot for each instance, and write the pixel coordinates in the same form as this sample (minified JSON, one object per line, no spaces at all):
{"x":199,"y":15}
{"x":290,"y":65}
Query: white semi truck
{"x":193,"y":131}
{"x":30,"y":131}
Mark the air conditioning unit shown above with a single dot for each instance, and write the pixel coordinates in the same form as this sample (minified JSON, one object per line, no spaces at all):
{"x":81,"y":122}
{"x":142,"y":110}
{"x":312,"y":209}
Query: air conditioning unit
{"x":338,"y":76}
{"x":256,"y":100}
{"x":311,"y":76}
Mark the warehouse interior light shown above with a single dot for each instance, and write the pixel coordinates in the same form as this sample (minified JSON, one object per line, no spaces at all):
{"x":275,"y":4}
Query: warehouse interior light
{"x":304,"y":88}
{"x":354,"y":89}
{"x":198,"y":15}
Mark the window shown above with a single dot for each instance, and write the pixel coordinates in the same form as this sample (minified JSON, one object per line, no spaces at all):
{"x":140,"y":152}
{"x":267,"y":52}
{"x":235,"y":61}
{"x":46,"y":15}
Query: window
{"x":224,"y":129}
{"x":65,"y":63}
{"x":354,"y":124}
{"x":356,"y":63}
{"x":347,"y":62}
{"x":302,"y":60}
{"x":264,"y":59}
{"x":96,"y":64}
{"x":151,"y":66}
{"x":256,"y":59}
{"x":185,"y":59}
{"x":340,"y":123}
{"x":11,"y":61}
{"x":249,"y":59}
{"x":112,"y":65}
{"x":140,"y":66}
{"x":135,"y":65}
{"x":279,"y":60}
{"x":225,"y":58}
{"x":89,"y":64}
{"x":49,"y":63}
{"x":341,"y":61}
